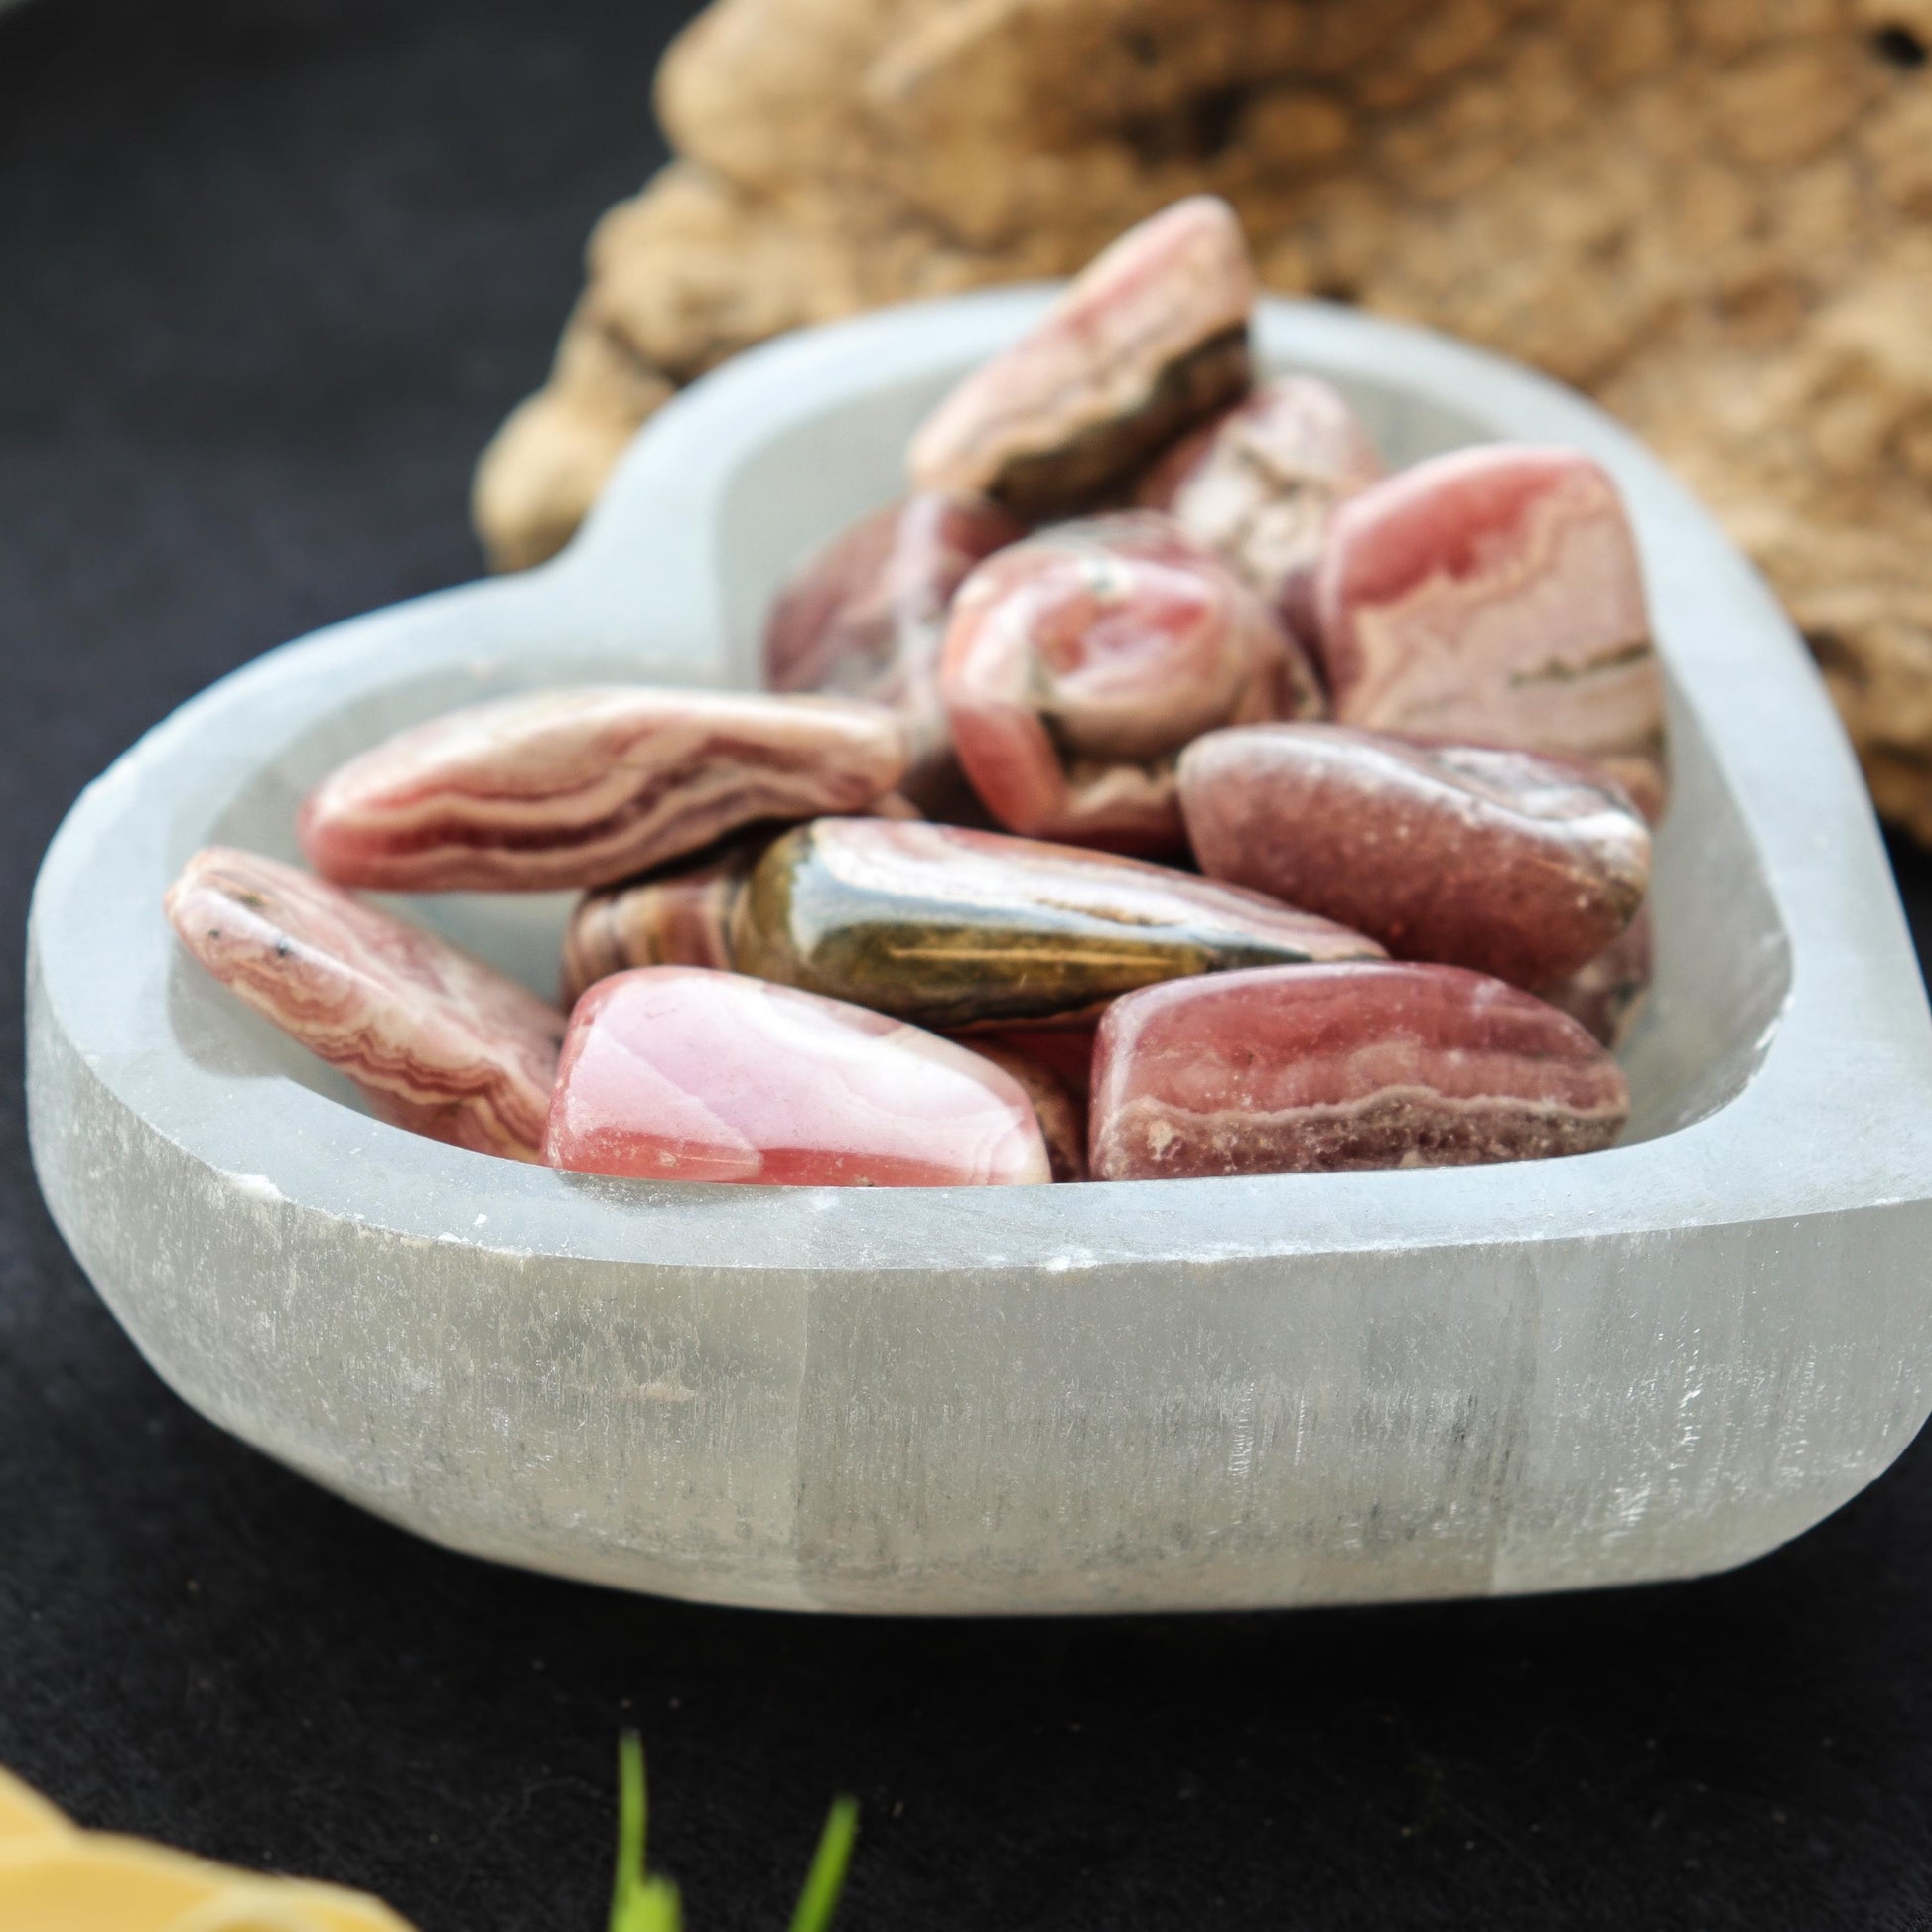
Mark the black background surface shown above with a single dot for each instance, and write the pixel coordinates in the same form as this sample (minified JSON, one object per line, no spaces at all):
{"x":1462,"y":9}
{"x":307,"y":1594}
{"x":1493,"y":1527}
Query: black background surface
{"x":270,"y":272}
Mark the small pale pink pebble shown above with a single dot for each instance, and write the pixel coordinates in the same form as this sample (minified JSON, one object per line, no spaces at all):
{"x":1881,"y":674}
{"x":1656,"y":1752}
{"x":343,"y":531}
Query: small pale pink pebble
{"x":679,"y":1073}
{"x":438,"y":1042}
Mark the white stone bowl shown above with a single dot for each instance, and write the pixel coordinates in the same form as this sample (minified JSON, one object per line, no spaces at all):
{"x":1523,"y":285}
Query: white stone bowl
{"x":1649,"y":1362}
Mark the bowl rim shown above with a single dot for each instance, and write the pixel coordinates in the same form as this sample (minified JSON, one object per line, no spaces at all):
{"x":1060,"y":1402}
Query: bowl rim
{"x":1834,"y":1118}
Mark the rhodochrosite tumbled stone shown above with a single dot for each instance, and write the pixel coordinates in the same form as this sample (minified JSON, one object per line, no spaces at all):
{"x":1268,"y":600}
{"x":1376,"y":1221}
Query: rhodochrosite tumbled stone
{"x":676,"y":1073}
{"x":1324,"y":1067}
{"x":1606,"y":996}
{"x":680,"y":917}
{"x":1260,"y":486}
{"x":438,"y":1042}
{"x":954,"y":928}
{"x":1516,"y":864}
{"x":1494,"y":595}
{"x":1062,"y":1113}
{"x":1080,"y":662}
{"x":589,"y":784}
{"x":866,"y":617}
{"x":1148,"y":341}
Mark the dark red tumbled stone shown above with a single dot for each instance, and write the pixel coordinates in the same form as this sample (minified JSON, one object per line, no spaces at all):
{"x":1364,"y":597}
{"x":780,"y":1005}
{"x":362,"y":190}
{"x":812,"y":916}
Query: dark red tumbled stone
{"x":1515,"y":865}
{"x":865,"y":616}
{"x":1319,"y":1068}
{"x":1608,"y":994}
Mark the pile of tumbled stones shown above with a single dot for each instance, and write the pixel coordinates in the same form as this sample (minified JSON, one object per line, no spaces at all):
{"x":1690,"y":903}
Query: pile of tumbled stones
{"x":1160,"y":790}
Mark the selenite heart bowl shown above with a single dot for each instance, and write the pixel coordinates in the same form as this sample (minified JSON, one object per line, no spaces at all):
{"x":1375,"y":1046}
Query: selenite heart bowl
{"x":1649,"y":1362}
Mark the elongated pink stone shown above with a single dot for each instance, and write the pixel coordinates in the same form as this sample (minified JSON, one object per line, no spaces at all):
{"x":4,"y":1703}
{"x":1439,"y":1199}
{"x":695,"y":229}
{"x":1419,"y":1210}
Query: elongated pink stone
{"x":1080,"y":662}
{"x":678,"y":1073}
{"x":438,"y":1042}
{"x":1516,"y":864}
{"x":1493,"y":596}
{"x":1606,"y":996}
{"x":1323,"y":1068}
{"x":1259,"y":487}
{"x":582,"y":787}
{"x":1149,"y":340}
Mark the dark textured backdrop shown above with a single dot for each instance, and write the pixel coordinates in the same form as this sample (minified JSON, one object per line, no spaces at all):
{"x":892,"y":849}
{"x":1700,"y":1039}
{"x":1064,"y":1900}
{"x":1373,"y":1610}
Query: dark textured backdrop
{"x":270,"y":272}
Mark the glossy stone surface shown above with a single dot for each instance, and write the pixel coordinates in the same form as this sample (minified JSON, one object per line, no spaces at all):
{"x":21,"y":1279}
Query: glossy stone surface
{"x":1150,"y":340}
{"x":1494,"y":595}
{"x":1260,"y":484}
{"x":680,"y":917}
{"x":678,"y":1073}
{"x":1330,"y":1067}
{"x":953,"y":927}
{"x":1513,"y":864}
{"x":1606,"y":996}
{"x":1060,"y":1110}
{"x":438,"y":1042}
{"x":1080,"y":662}
{"x":580,"y":787}
{"x":865,"y":617}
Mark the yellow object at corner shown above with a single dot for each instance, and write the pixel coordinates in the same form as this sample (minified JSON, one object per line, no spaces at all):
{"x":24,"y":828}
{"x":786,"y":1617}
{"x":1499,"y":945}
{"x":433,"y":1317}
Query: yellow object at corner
{"x":56,"y":1878}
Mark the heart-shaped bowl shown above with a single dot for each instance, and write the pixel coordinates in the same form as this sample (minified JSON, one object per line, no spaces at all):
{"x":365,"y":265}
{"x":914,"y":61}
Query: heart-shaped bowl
{"x":1649,"y":1362}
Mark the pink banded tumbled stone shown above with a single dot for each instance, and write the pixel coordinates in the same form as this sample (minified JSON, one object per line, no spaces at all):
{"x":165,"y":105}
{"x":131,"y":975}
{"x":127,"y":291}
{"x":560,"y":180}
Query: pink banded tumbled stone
{"x":1061,"y":1111}
{"x":1515,"y":865}
{"x":1606,"y":994}
{"x":1080,"y":662}
{"x":1319,"y":1068}
{"x":438,"y":1042}
{"x":581,"y":786}
{"x":1151,"y":338}
{"x":678,"y":1073}
{"x":1493,"y":596}
{"x":1260,"y":484}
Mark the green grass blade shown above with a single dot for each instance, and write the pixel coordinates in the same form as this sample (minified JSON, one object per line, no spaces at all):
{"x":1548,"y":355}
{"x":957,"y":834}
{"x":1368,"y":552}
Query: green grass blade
{"x":826,"y":1879}
{"x":628,"y":1888}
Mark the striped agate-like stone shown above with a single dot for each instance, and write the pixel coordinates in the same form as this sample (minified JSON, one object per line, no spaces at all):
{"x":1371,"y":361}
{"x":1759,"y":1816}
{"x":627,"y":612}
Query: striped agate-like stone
{"x":1606,"y":996}
{"x":866,"y":615}
{"x":1259,"y":487}
{"x":1061,"y":1112}
{"x":1494,"y":595}
{"x":1151,"y":338}
{"x":1080,"y":662}
{"x":1330,"y":1067}
{"x":680,"y":917}
{"x":438,"y":1042}
{"x":1516,"y":864}
{"x":582,"y":787}
{"x":952,"y":927}
{"x":679,"y":1073}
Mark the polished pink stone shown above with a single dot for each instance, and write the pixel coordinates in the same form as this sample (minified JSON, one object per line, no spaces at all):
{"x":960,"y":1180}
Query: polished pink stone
{"x":678,"y":1073}
{"x":1061,"y":1111}
{"x":1315,"y":1068}
{"x":438,"y":1042}
{"x":677,"y":916}
{"x":1150,"y":340}
{"x":1080,"y":662}
{"x":1260,"y":486}
{"x":1606,"y":996}
{"x":1493,"y":596}
{"x":581,"y":786}
{"x":1514,"y":864}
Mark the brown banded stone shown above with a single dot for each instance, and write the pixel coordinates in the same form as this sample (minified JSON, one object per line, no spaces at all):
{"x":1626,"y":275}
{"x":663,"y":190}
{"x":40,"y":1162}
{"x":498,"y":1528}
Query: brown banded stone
{"x":437,"y":1041}
{"x":866,"y":615}
{"x":680,"y":917}
{"x":1515,"y":865}
{"x":953,"y":927}
{"x":1493,"y":596}
{"x":583,"y":787}
{"x":1606,"y":996}
{"x":1330,"y":1067}
{"x":1080,"y":662}
{"x":1258,"y":486}
{"x":1149,"y":340}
